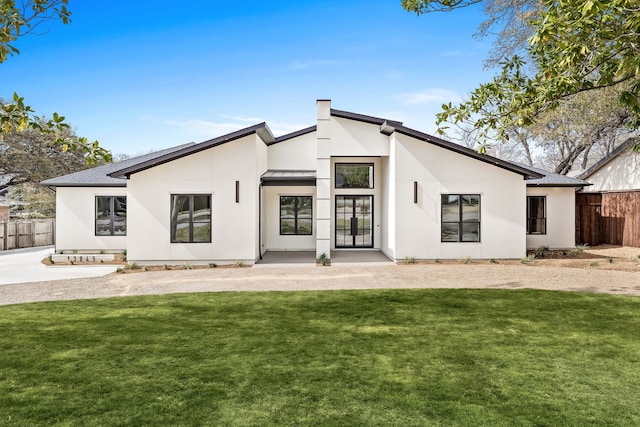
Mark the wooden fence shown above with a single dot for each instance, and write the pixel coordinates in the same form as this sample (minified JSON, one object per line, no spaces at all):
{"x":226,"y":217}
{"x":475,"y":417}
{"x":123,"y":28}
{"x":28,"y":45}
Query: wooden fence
{"x":27,"y":233}
{"x":608,"y":218}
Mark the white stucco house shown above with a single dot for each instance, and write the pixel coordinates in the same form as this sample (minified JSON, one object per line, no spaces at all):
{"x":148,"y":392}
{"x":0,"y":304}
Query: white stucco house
{"x":351,"y":181}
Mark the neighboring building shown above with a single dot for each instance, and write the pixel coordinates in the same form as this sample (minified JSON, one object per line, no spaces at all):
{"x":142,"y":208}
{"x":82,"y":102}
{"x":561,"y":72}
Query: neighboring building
{"x":350,"y":181}
{"x":5,"y":205}
{"x":608,"y":211}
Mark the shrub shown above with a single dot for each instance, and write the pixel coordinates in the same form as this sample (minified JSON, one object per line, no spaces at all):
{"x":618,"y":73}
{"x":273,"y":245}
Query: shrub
{"x":465,"y":259}
{"x":493,"y":261}
{"x":212,"y":265}
{"x":323,"y":259}
{"x":409,"y":260}
{"x":580,"y":248}
{"x":541,"y":251}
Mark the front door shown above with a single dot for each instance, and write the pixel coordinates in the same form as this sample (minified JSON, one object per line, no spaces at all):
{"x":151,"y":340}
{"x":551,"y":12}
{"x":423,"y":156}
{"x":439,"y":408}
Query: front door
{"x":354,"y":219}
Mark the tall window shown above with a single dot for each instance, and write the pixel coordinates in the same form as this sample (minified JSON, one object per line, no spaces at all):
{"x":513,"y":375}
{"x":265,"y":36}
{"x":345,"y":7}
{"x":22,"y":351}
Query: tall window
{"x":460,"y":218}
{"x":111,"y":216}
{"x":536,"y":215}
{"x":296,"y":215}
{"x":354,"y":175}
{"x":190,"y":218}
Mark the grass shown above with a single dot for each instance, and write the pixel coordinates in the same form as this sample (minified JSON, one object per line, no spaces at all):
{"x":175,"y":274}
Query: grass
{"x":376,"y":357}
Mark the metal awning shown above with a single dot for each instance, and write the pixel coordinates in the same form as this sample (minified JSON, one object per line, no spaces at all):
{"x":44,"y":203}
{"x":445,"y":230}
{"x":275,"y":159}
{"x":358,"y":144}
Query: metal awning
{"x":274,"y":177}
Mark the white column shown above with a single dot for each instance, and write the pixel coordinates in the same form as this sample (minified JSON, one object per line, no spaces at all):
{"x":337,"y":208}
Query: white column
{"x":323,"y":179}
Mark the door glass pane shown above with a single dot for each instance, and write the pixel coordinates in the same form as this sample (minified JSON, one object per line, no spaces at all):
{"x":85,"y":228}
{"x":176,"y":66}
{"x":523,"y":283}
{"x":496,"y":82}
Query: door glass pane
{"x":343,"y":222}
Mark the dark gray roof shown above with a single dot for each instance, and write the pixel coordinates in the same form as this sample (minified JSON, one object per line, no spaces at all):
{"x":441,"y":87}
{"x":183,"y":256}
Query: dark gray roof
{"x":294,"y":134}
{"x":99,"y":175}
{"x":261,"y":129}
{"x":288,"y":177}
{"x":616,"y":151}
{"x":363,"y":118}
{"x":552,"y":179}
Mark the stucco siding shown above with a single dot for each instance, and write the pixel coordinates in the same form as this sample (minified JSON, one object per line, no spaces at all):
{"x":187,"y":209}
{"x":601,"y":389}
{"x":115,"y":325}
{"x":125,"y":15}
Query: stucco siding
{"x":438,"y":171}
{"x":353,"y":138}
{"x":75,"y":220}
{"x":273,"y":240}
{"x":214,"y":172}
{"x":620,"y":174}
{"x":560,"y":215}
{"x":296,"y":153}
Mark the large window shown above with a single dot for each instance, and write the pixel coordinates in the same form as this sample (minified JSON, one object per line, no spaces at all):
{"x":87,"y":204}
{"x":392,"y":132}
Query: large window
{"x":354,"y":175}
{"x":296,"y":215}
{"x":111,"y":216}
{"x":536,"y":215}
{"x":460,"y":218}
{"x":190,"y":218}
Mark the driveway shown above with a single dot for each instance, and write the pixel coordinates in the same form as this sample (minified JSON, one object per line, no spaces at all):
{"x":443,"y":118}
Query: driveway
{"x":24,"y":266}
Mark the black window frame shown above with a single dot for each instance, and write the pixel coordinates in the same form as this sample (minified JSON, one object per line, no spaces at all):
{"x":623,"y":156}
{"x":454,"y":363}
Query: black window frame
{"x":534,"y":219}
{"x":371,"y":178}
{"x":461,"y":221}
{"x":112,"y":215}
{"x":191,"y":222}
{"x":295,"y":213}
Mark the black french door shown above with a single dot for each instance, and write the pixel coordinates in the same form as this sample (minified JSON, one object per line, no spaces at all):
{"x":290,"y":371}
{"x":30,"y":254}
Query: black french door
{"x":354,"y":220}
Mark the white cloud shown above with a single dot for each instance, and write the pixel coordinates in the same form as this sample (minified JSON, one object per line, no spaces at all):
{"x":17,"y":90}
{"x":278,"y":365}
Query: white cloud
{"x":302,"y":65}
{"x":429,"y":95}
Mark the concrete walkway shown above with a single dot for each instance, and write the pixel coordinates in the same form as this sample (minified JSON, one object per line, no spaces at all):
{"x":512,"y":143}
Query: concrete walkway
{"x":25,"y":266}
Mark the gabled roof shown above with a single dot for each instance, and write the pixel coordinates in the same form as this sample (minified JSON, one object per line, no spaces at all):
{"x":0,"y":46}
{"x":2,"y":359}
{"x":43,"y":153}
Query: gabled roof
{"x":552,"y":179}
{"x":362,"y":118}
{"x":389,"y":127}
{"x":615,"y":153}
{"x":5,"y":201}
{"x":261,"y":129}
{"x":294,"y":134}
{"x":99,"y":176}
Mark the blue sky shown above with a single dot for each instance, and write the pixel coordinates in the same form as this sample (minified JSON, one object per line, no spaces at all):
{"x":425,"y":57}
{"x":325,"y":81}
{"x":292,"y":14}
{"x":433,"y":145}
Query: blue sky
{"x":142,"y":75}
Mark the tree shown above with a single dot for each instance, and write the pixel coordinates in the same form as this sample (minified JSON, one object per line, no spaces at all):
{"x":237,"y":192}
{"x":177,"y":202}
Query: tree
{"x":31,"y":156}
{"x":577,"y":46}
{"x":18,"y":18}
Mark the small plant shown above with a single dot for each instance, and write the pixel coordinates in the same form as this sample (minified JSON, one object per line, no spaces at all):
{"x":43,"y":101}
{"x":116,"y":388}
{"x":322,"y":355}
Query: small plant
{"x":75,"y":251}
{"x":528,"y":259}
{"x":465,"y":259}
{"x":102,"y":252}
{"x":101,"y":261}
{"x":437,"y":261}
{"x":212,"y":265}
{"x":165,"y":267}
{"x":144,"y":268}
{"x":541,"y":251}
{"x":131,"y":266}
{"x":187,"y":266}
{"x":564,"y":253}
{"x":72,"y":262}
{"x":493,"y":261}
{"x":635,"y":259}
{"x":119,"y":270}
{"x":323,"y":259}
{"x":239,"y":263}
{"x":593,"y":264}
{"x":580,"y":248}
{"x":51,"y":259}
{"x":124,"y":255}
{"x":610,"y":259}
{"x":409,"y":260}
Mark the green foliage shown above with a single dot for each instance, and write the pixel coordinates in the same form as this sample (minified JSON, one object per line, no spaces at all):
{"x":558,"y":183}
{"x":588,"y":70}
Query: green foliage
{"x":409,"y":260}
{"x":465,"y":259}
{"x":576,"y":47}
{"x":422,"y":357}
{"x":541,"y":251}
{"x":493,"y":261}
{"x":18,"y":18}
{"x":212,"y":265}
{"x":323,"y":259}
{"x":580,"y":248}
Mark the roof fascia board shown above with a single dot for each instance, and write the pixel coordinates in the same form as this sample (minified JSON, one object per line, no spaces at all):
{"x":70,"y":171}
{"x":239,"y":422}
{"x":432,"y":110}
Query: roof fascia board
{"x":295,"y":134}
{"x":527,"y":173}
{"x":603,"y":162}
{"x":363,"y":118}
{"x":260,"y":129}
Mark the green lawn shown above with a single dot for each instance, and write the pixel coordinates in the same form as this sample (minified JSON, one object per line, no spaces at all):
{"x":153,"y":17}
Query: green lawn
{"x":364,"y":358}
